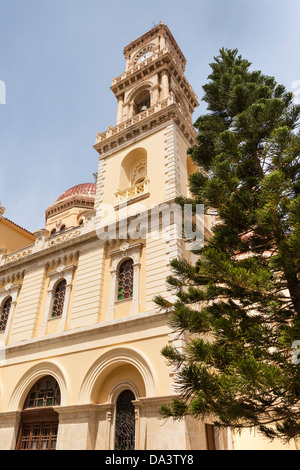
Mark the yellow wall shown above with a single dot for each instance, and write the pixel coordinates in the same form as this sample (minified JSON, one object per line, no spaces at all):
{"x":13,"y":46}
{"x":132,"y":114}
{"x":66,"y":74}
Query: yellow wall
{"x":13,"y":237}
{"x":28,"y":308}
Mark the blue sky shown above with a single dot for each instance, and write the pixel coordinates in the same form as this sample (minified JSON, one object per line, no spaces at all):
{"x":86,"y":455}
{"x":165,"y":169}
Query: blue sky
{"x":57,"y":60}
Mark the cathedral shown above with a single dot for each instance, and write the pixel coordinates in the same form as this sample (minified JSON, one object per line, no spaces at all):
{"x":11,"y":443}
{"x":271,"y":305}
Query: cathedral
{"x":80,"y":336}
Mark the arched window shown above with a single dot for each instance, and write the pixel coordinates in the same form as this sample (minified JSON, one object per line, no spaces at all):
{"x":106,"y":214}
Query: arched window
{"x":45,"y":392}
{"x":125,"y":421}
{"x":62,"y":228}
{"x":125,"y":280}
{"x":58,"y":300}
{"x":141,"y":101}
{"x":5,"y":313}
{"x":39,"y":421}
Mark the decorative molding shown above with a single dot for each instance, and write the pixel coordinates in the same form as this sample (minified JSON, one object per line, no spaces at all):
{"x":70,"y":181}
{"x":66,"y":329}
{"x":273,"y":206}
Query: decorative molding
{"x":138,"y":170}
{"x":36,"y":372}
{"x":43,"y":243}
{"x":125,"y":250}
{"x":83,"y":202}
{"x":61,"y":259}
{"x":112,"y":359}
{"x":17,"y":255}
{"x":12,"y":276}
{"x":140,"y":125}
{"x":144,"y":320}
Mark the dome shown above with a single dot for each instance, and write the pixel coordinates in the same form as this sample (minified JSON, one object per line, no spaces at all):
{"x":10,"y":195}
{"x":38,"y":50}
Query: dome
{"x":80,"y":190}
{"x":80,"y":196}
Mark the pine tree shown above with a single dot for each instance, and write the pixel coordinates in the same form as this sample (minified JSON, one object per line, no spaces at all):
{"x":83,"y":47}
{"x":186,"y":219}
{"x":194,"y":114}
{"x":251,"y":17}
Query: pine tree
{"x":239,"y":304}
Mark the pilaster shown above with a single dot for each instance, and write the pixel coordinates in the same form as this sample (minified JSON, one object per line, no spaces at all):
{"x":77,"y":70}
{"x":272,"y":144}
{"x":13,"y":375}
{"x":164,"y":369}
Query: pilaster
{"x":171,"y":157}
{"x":100,"y":186}
{"x":9,"y":425}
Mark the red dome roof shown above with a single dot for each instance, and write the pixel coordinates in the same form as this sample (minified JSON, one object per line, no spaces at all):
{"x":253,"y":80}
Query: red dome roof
{"x":82,"y":190}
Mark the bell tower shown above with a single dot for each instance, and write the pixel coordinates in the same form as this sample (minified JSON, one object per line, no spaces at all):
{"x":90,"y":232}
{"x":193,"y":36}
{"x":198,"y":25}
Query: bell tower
{"x":154,"y":71}
{"x":154,"y":125}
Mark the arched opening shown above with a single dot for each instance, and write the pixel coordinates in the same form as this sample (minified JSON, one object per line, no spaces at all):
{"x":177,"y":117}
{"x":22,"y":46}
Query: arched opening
{"x":133,"y":167}
{"x":125,"y":280}
{"x":59,"y":299}
{"x":39,"y":422}
{"x":141,"y":101}
{"x":125,"y":421}
{"x":4,"y":313}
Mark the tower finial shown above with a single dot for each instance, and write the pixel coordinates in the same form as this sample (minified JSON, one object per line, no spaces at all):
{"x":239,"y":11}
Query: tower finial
{"x":2,"y":210}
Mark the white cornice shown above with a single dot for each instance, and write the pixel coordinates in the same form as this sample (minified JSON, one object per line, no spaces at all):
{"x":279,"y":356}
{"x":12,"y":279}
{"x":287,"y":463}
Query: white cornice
{"x":114,"y":139}
{"x":116,"y":326}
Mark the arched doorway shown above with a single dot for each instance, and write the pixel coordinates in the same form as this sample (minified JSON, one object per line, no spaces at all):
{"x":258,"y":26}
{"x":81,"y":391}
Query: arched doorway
{"x":125,"y":421}
{"x":39,"y":421}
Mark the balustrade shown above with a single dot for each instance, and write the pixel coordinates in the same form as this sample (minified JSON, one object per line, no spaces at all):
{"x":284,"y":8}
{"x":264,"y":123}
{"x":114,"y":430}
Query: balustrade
{"x":133,"y":192}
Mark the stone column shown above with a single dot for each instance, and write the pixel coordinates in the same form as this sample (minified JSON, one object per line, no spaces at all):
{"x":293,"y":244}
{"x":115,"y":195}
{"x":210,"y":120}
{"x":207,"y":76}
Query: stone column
{"x":112,"y":295}
{"x":65,"y":308}
{"x":108,"y":428}
{"x":120,"y":109}
{"x":135,"y":295}
{"x":154,"y":97}
{"x":126,"y":110}
{"x":162,"y":43}
{"x":164,"y":85}
{"x":137,"y":426}
{"x":47,"y":310}
{"x":130,"y":110}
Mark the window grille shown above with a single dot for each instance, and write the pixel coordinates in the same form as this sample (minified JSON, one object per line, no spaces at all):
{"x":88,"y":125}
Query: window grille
{"x":125,"y":280}
{"x":125,"y":422}
{"x":5,"y":313}
{"x":45,"y":393}
{"x":58,"y":301}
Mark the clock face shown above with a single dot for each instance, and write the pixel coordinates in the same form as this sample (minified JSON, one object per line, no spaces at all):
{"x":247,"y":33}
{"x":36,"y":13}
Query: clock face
{"x":144,"y":56}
